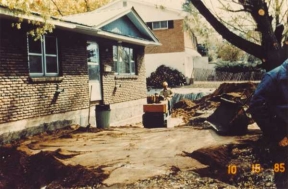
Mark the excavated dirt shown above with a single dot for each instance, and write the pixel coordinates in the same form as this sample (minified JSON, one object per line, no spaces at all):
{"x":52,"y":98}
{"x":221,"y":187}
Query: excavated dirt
{"x":135,"y":157}
{"x":245,"y":158}
{"x":238,"y":92}
{"x":18,"y":170}
{"x":45,"y":169}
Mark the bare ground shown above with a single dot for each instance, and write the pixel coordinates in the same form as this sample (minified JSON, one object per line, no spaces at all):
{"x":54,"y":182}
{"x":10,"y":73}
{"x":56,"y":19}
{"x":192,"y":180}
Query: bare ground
{"x":127,"y":157}
{"x":135,"y":157}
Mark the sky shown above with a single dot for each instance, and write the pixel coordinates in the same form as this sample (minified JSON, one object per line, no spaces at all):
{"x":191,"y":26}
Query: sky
{"x":177,"y":4}
{"x":213,"y":5}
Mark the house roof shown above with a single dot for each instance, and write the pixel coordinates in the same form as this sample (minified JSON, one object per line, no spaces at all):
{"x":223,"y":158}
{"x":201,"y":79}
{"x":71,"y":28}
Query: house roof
{"x":149,"y":11}
{"x":139,"y":2}
{"x":97,"y":18}
{"x":83,"y":23}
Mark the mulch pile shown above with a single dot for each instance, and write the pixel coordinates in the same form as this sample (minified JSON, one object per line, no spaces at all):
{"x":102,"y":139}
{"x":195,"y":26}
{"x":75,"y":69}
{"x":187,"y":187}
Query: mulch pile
{"x":238,"y":92}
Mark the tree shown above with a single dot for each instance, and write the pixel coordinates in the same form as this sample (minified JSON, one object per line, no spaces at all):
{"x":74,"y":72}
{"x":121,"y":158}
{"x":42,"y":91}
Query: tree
{"x":208,"y":40}
{"x":48,"y":9}
{"x":265,"y":17}
{"x":228,"y":52}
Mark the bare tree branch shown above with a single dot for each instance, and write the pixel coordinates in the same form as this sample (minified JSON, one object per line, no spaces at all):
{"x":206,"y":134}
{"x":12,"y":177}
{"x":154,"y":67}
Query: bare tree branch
{"x":87,"y":5}
{"x":58,"y":10}
{"x":234,"y":11}
{"x":241,"y":43}
{"x":226,"y":8}
{"x":236,"y":28}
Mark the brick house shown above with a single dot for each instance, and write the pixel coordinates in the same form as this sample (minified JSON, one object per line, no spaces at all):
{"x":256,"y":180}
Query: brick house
{"x":45,"y":84}
{"x":178,"y":49}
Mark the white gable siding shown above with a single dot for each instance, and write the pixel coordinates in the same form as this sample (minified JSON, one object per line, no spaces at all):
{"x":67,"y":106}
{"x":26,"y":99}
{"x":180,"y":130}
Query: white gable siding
{"x":148,"y":13}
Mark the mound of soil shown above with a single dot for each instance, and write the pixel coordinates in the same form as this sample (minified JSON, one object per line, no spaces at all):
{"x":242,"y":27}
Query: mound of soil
{"x":254,"y":163}
{"x":238,"y":92}
{"x":241,"y":92}
{"x":184,"y":104}
{"x":245,"y":88}
{"x":18,"y":170}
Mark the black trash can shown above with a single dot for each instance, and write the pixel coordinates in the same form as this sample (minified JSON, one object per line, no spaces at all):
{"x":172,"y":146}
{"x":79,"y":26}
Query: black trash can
{"x":103,"y":116}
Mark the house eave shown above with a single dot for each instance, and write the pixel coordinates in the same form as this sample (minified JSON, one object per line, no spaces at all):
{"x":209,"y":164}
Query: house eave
{"x":109,"y":35}
{"x":79,"y":28}
{"x":6,"y":13}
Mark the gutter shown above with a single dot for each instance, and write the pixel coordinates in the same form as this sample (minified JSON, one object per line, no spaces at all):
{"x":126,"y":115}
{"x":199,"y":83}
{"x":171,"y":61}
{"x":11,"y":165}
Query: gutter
{"x":126,"y":39}
{"x":77,"y":27}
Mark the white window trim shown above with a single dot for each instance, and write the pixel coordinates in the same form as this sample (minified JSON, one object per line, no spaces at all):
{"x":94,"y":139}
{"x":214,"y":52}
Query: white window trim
{"x":160,"y":28}
{"x":43,"y":58}
{"x":130,"y":60}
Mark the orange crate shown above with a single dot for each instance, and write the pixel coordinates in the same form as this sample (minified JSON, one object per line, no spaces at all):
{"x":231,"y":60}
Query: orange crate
{"x":156,"y":107}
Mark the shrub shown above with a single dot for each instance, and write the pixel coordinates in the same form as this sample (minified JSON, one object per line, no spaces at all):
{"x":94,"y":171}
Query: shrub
{"x":165,"y":73}
{"x":236,"y":67}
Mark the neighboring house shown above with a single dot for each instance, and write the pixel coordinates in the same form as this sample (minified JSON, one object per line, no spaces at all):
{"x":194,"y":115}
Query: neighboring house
{"x":178,"y":48}
{"x":45,"y":84}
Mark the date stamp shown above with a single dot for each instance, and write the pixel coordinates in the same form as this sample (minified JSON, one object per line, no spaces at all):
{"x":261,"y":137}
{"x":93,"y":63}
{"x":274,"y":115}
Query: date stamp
{"x":256,"y":168}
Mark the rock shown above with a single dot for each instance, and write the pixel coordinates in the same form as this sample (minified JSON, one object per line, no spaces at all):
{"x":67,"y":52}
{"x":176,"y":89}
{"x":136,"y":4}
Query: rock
{"x":268,"y":184}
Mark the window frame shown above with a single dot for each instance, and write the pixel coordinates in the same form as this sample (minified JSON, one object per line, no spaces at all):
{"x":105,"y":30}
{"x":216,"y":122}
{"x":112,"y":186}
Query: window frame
{"x":92,"y":82}
{"x":117,"y":71}
{"x":161,"y":27}
{"x":43,"y":56}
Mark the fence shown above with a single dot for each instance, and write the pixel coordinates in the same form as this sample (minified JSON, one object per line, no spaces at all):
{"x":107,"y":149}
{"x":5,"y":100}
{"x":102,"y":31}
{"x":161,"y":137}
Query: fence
{"x":212,"y":75}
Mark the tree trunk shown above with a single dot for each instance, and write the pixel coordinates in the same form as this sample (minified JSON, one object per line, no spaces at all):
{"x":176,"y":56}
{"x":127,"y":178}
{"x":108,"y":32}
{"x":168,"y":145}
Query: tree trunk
{"x":269,"y":52}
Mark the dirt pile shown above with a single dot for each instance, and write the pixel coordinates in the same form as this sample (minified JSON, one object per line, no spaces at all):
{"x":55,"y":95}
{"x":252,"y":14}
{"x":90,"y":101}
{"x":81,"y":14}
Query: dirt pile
{"x":238,"y":92}
{"x":19,"y":170}
{"x":184,"y":104}
{"x":251,"y":164}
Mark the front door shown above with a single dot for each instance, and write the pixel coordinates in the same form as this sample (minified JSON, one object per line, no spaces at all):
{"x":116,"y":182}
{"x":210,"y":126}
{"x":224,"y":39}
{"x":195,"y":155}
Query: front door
{"x":94,"y":70}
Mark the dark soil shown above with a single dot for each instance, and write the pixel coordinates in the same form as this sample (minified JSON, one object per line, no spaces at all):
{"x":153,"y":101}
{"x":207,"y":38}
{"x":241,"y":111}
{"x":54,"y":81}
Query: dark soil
{"x":238,"y":92}
{"x":18,"y":170}
{"x":246,"y":157}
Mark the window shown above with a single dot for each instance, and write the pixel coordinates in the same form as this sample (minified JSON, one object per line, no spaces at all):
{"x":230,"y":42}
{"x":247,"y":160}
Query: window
{"x":43,"y":56}
{"x":156,"y":25}
{"x":123,"y":58}
{"x":160,"y":25}
{"x":94,"y":70}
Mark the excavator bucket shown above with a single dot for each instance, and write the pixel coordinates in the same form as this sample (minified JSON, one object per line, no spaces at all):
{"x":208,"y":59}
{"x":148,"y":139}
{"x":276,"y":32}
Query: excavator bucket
{"x":229,"y":118}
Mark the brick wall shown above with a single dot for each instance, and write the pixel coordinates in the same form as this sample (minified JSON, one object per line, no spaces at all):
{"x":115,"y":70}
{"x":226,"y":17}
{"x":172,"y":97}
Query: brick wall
{"x":21,"y":98}
{"x":172,"y":40}
{"x":133,"y":87}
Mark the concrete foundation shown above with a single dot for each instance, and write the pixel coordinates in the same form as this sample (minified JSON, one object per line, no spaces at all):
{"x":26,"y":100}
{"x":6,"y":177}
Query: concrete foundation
{"x":127,"y":112}
{"x":121,"y":114}
{"x":19,"y":129}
